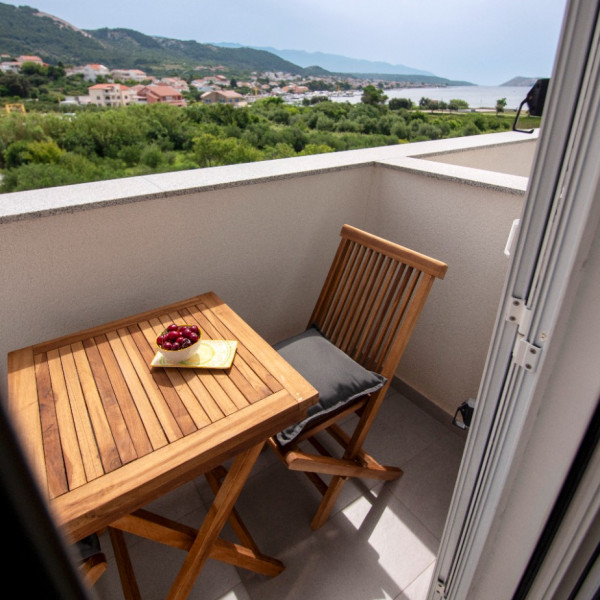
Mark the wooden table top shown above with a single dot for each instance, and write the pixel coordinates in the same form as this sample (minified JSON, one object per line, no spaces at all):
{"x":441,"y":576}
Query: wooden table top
{"x":106,"y":433}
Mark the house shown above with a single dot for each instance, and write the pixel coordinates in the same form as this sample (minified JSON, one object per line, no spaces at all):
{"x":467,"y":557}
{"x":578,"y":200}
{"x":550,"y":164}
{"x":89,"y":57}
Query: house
{"x":11,"y":66}
{"x":110,"y":94}
{"x":222,"y":97}
{"x":162,"y":94}
{"x":76,"y":100}
{"x":176,"y":83}
{"x":92,"y":71}
{"x":128,"y":74}
{"x":28,"y":58}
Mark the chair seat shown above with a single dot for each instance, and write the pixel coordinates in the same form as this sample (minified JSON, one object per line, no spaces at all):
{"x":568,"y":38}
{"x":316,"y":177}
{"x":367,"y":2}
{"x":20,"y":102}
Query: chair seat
{"x":338,"y":378}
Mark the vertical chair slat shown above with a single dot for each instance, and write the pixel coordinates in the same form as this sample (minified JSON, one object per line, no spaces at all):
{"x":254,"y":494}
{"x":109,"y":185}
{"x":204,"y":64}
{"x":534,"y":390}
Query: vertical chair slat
{"x":371,"y":306}
{"x":386,"y":319}
{"x":351,"y":292}
{"x":337,"y":291}
{"x":396,"y":325}
{"x":366,"y":282}
{"x":384,"y":298}
{"x":324,"y":304}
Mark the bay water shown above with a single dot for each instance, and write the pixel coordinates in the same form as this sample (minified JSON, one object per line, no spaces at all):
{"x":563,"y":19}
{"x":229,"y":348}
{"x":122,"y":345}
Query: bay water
{"x":476,"y":96}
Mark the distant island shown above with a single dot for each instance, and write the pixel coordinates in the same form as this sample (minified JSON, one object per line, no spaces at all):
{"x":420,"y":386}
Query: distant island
{"x":520,"y":82}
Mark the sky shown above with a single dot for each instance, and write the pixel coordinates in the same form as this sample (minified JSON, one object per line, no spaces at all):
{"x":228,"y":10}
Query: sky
{"x":485,"y":42}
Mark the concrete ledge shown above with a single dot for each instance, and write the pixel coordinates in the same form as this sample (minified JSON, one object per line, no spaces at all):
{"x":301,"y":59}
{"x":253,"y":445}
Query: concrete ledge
{"x":33,"y":204}
{"x":512,"y":184}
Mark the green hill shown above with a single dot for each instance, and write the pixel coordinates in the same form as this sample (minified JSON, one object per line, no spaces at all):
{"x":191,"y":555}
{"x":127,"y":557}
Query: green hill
{"x":25,"y":30}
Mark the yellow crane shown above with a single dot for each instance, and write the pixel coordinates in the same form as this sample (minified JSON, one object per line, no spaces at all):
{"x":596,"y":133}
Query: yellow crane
{"x":14,"y":108}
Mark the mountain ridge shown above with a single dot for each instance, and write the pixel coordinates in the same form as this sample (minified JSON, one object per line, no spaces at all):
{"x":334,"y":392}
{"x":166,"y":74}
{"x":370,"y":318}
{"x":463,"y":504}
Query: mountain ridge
{"x":335,"y":63}
{"x":27,"y":31}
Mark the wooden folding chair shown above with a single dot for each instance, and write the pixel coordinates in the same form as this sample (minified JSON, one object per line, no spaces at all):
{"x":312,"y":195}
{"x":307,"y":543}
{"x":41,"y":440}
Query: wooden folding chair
{"x":92,"y":560}
{"x":360,"y":326}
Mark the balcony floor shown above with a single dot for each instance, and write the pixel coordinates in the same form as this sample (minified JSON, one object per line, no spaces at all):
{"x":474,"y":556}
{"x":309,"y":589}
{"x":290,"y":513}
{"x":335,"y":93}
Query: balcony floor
{"x":380,"y":544}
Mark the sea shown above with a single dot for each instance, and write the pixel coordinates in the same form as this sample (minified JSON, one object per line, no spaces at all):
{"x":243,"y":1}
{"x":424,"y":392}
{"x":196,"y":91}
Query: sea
{"x":477,"y":96}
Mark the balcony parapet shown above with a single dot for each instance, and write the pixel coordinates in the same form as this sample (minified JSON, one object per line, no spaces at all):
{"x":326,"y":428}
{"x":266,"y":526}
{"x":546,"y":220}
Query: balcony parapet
{"x":17,"y":206}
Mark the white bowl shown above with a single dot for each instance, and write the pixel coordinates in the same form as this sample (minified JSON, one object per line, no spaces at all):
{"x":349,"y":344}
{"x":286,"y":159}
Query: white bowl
{"x":175,"y":356}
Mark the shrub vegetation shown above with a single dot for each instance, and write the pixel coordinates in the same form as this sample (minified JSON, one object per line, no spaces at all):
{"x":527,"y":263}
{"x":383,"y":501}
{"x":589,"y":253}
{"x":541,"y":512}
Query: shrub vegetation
{"x":45,"y":149}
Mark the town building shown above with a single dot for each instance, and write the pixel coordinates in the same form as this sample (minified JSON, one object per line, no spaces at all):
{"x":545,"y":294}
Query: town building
{"x":111,"y":94}
{"x":222,"y":97}
{"x":161,"y":94}
{"x":91,"y":72}
{"x":129,"y":74}
{"x":10,"y":66}
{"x":176,"y":83}
{"x":31,"y":59}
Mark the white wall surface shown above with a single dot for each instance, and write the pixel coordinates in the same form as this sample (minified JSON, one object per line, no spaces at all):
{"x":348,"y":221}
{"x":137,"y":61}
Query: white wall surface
{"x":264,"y":244}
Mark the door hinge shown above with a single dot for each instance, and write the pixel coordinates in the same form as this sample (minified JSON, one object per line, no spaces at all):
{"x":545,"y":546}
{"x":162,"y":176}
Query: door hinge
{"x":526,"y":355}
{"x":439,"y":592}
{"x":518,"y":313}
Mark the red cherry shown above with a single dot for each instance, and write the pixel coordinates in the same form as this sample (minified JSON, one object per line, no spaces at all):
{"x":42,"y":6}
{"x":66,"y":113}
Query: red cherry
{"x":172,"y":335}
{"x":167,"y":346}
{"x":160,"y":340}
{"x":194,"y":329}
{"x":175,"y":346}
{"x":180,"y":340}
{"x":172,"y":327}
{"x":186,"y":343}
{"x":193,"y":337}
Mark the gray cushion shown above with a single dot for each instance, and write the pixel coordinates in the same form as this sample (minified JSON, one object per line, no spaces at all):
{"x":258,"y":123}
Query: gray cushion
{"x":89,"y":546}
{"x":337,"y":377}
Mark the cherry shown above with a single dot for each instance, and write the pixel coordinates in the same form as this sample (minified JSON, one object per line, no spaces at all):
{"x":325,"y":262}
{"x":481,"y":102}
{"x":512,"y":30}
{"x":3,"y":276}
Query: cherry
{"x":176,"y":337}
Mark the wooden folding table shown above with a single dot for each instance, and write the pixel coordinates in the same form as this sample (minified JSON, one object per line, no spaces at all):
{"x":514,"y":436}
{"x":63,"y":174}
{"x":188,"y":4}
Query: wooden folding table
{"x":106,"y":433}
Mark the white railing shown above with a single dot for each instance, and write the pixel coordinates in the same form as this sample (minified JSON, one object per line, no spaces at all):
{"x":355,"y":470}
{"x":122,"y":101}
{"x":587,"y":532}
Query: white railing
{"x":262,"y":235}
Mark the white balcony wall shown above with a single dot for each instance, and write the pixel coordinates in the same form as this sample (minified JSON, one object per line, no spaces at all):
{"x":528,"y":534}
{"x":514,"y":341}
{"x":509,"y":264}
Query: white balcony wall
{"x":513,"y":159}
{"x":467,"y":227}
{"x":262,"y":236}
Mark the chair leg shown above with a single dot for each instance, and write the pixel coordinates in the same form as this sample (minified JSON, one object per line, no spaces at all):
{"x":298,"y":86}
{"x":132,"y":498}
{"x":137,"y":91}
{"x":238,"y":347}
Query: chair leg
{"x":93,"y":568}
{"x":328,"y":502}
{"x":125,"y":568}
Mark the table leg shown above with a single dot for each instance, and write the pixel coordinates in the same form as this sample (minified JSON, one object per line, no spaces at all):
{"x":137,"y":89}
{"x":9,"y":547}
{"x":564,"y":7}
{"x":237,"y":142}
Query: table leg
{"x":213,"y":523}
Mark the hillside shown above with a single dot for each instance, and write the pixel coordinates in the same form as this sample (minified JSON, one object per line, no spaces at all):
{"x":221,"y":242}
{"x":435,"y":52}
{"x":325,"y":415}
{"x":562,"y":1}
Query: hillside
{"x":25,"y":30}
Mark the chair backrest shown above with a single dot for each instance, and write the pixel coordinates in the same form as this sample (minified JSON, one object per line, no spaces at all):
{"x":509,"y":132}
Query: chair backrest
{"x":372,"y":298}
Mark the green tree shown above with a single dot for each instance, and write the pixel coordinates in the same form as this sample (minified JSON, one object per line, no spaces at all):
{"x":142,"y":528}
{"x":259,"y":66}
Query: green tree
{"x":457,"y":104}
{"x":500,"y":105}
{"x":373,"y":96}
{"x":399,"y":103}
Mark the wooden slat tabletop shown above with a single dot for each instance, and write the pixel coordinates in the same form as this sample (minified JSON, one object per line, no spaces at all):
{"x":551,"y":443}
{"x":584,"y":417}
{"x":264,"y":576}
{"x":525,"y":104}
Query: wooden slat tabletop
{"x":106,"y":433}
